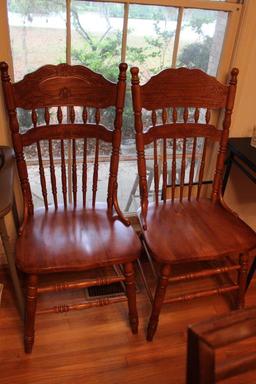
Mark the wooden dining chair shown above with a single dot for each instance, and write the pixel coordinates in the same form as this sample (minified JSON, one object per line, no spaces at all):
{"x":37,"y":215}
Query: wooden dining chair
{"x":183,"y":224}
{"x":80,"y":235}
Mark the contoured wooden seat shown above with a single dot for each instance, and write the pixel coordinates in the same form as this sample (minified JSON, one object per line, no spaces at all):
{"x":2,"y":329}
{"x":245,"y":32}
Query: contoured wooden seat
{"x":80,"y":235}
{"x":185,"y":224}
{"x":192,"y":231}
{"x":61,"y":240}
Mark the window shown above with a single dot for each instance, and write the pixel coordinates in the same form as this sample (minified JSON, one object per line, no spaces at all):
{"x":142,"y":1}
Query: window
{"x":102,"y":34}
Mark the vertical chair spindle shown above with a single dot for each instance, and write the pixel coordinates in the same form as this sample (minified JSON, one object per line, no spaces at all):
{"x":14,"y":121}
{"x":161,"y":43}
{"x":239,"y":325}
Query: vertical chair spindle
{"x":84,"y":115}
{"x":183,"y":167}
{"x":207,"y":116}
{"x":47,"y":116}
{"x":59,"y":115}
{"x":174,"y":115}
{"x":185,"y":115}
{"x":164,"y":115}
{"x":96,"y":162}
{"x":95,"y":173}
{"x":196,"y":114}
{"x":192,"y":168}
{"x":156,"y":172}
{"x":174,"y":145}
{"x":97,"y":116}
{"x":84,"y":169}
{"x":72,"y":114}
{"x":53,"y":176}
{"x":164,"y":170}
{"x":42,"y":175}
{"x":63,"y":173}
{"x":74,"y":172}
{"x":153,"y":117}
{"x":84,"y":177}
{"x":201,"y":172}
{"x":34,"y":117}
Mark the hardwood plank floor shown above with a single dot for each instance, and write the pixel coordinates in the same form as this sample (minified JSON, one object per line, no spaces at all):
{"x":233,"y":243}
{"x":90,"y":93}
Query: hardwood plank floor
{"x":96,"y":346}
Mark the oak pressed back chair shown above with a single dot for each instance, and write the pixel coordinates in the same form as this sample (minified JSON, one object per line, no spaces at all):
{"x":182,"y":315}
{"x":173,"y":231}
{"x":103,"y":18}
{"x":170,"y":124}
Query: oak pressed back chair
{"x":80,"y":235}
{"x":183,"y":225}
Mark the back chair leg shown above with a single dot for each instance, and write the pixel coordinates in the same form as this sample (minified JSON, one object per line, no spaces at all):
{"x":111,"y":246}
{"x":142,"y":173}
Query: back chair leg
{"x":158,"y":300}
{"x":242,"y":276}
{"x":30,"y":312}
{"x":131,"y":295}
{"x":251,"y":273}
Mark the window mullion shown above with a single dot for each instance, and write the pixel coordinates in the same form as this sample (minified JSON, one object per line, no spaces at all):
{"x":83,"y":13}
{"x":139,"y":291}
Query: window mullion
{"x":68,"y":60}
{"x":229,"y":44}
{"x":125,"y":32}
{"x":68,"y":31}
{"x":177,"y":37}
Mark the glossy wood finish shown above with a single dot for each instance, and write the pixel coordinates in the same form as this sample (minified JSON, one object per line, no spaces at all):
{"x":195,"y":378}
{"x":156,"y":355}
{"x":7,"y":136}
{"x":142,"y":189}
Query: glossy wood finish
{"x":67,"y":237}
{"x":187,"y":93}
{"x":63,"y":85}
{"x":207,"y":337}
{"x":80,"y":240}
{"x":187,"y":227}
{"x":182,"y":222}
{"x":92,"y":347}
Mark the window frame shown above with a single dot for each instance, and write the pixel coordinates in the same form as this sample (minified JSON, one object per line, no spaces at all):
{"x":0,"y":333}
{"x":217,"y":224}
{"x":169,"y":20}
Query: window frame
{"x":233,"y":7}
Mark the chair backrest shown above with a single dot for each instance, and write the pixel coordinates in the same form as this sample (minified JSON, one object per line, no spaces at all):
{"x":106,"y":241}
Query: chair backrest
{"x":70,"y":106}
{"x":179,"y":108}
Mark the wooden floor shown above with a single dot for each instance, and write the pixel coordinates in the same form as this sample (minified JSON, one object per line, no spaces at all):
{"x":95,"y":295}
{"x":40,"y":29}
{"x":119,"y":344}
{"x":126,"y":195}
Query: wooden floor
{"x":96,"y":346}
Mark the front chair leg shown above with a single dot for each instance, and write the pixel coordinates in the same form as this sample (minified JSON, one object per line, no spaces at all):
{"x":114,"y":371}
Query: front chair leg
{"x":242,"y":276}
{"x":30,"y":312}
{"x":131,"y":295}
{"x":158,"y":300}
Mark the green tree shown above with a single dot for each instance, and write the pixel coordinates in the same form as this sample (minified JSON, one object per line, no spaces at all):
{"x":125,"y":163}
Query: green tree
{"x":196,"y":55}
{"x":101,"y":52}
{"x":158,"y":46}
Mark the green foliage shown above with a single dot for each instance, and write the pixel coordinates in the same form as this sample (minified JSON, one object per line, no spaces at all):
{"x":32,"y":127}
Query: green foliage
{"x":158,"y":47}
{"x":196,"y":55}
{"x":102,"y":53}
{"x":96,"y":55}
{"x":38,"y":7}
{"x":199,"y":17}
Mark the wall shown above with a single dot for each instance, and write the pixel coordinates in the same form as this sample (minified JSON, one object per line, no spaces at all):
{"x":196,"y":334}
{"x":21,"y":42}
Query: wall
{"x":241,"y":192}
{"x":5,"y":55}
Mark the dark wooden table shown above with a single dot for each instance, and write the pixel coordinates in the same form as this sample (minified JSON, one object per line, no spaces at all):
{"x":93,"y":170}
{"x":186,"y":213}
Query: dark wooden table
{"x":231,"y":337}
{"x":241,"y":153}
{"x":6,"y":204}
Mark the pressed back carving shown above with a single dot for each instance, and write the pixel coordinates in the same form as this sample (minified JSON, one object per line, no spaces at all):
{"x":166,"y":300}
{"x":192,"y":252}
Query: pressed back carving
{"x":74,"y":112}
{"x":178,"y":108}
{"x":54,"y":85}
{"x":178,"y":88}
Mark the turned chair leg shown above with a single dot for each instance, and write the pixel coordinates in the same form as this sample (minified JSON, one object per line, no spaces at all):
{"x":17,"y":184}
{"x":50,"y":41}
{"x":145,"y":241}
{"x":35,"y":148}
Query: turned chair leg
{"x":242,"y":276}
{"x":251,"y":273}
{"x":30,"y":312}
{"x":158,"y":301}
{"x":131,"y":295}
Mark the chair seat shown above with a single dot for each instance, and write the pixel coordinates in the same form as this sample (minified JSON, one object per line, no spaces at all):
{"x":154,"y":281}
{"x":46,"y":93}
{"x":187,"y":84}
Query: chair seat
{"x":196,"y":230}
{"x":71,"y":240}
